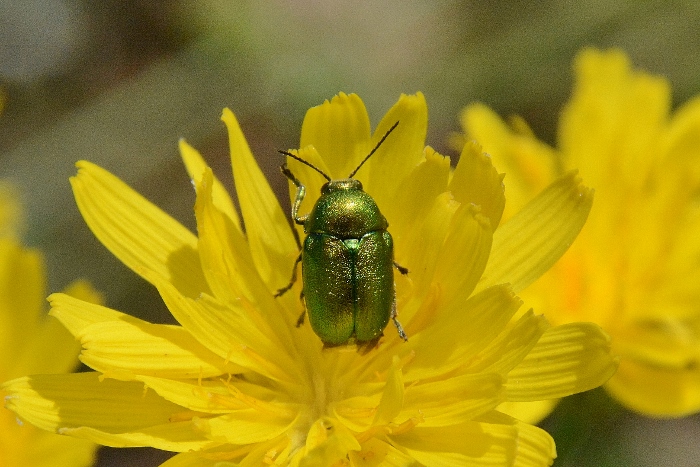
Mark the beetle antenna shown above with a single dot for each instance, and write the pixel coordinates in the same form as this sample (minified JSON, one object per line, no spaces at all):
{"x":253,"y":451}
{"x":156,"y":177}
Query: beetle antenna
{"x":309,"y":164}
{"x":352,"y":174}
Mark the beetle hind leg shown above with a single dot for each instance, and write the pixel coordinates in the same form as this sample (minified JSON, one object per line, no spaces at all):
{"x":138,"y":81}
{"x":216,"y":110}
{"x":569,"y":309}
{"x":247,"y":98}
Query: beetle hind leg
{"x":399,"y":328}
{"x":302,"y":316}
{"x":363,"y":348}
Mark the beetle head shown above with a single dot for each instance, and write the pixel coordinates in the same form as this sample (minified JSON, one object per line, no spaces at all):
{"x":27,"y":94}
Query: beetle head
{"x":342,"y":184}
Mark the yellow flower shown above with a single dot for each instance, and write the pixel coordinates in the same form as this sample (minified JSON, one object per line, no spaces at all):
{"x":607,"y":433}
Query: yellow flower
{"x":634,"y":268}
{"x":237,"y":383}
{"x":31,"y":342}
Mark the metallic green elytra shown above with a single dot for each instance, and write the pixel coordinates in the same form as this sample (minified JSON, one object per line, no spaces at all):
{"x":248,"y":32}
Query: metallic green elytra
{"x":347,"y":261}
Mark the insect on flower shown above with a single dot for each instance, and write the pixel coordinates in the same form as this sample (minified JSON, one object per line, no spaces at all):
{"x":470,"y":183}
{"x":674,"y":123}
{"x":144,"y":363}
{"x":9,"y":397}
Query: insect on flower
{"x":347,"y":260}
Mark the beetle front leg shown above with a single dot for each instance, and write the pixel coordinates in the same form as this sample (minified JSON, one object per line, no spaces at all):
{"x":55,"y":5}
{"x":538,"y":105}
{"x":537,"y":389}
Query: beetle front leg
{"x":284,"y":289}
{"x":301,"y":192}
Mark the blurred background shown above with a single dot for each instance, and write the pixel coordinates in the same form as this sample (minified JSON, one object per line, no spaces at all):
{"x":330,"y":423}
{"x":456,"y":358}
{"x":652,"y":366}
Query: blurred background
{"x":118,"y":82}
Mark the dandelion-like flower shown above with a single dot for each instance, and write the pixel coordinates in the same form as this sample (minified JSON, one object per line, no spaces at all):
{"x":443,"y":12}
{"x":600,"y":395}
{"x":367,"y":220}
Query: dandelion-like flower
{"x":634,"y":269}
{"x":237,"y":383}
{"x":31,"y":342}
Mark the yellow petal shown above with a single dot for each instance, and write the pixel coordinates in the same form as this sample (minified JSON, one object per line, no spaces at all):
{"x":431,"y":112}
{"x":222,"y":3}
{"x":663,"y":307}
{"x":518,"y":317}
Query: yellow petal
{"x":25,"y":445}
{"x":83,"y":290}
{"x":535,"y":446}
{"x":377,"y":453}
{"x":22,"y":282}
{"x":199,"y":396}
{"x":117,"y":413}
{"x":485,"y":127}
{"x":123,"y":346}
{"x":136,"y":231}
{"x":402,"y":150}
{"x":656,"y":391}
{"x":244,"y":426}
{"x":567,"y":359}
{"x":512,"y":345}
{"x":529,"y":164}
{"x":195,"y":165}
{"x":677,"y":290}
{"x":416,"y":195}
{"x":215,"y":457}
{"x":658,"y":372}
{"x":236,"y":332}
{"x":489,"y":444}
{"x":339,"y":130}
{"x":76,"y":314}
{"x":328,"y":442}
{"x":196,"y":459}
{"x":464,"y":254}
{"x":529,"y":412}
{"x":614,"y":129}
{"x":216,"y":395}
{"x":271,"y":241}
{"x":227,"y":261}
{"x":175,"y":437}
{"x":421,"y":244}
{"x":452,"y":400}
{"x":535,"y":238}
{"x":475,"y":180}
{"x":392,"y":397}
{"x":22,"y":285}
{"x":357,"y":413}
{"x":51,"y":348}
{"x":663,"y":342}
{"x":681,"y":142}
{"x":463,"y":329}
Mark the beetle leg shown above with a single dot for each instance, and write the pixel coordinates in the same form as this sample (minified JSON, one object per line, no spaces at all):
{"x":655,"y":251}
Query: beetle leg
{"x":399,"y":328}
{"x":284,"y":289}
{"x":401,"y":269}
{"x":300,"y":320}
{"x":302,"y":317}
{"x":296,"y":238}
{"x":301,"y":192}
{"x":363,"y":348}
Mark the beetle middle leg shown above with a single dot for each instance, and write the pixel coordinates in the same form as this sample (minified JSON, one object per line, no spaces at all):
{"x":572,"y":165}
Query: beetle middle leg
{"x":284,"y":289}
{"x":400,"y":268}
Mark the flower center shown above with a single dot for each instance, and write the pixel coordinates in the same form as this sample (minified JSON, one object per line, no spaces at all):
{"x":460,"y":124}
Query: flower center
{"x":319,"y":401}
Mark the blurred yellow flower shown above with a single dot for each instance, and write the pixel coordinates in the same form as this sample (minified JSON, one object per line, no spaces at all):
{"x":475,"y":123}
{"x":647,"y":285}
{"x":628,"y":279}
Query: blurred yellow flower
{"x":634,"y":268}
{"x":11,"y":216}
{"x":236,"y":383}
{"x":31,"y":342}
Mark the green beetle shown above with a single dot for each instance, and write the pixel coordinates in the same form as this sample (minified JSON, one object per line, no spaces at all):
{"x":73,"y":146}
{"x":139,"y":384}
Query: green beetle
{"x":347,"y":260}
